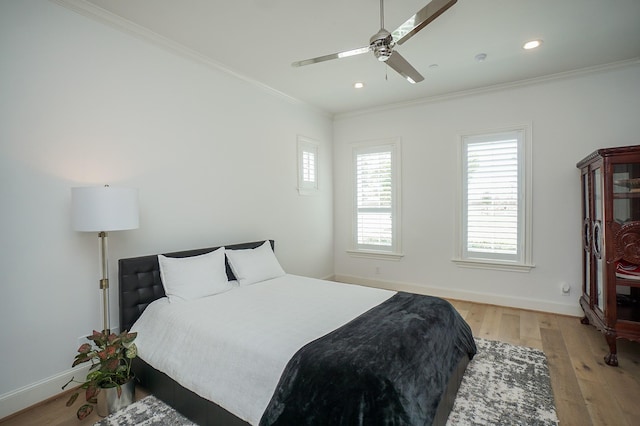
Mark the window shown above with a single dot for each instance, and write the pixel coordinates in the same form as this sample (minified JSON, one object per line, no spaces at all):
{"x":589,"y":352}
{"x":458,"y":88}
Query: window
{"x":494,"y":217}
{"x":307,"y":166}
{"x":376,"y":171}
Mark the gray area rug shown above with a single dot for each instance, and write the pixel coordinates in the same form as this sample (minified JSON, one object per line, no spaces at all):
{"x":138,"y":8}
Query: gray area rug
{"x":503,"y":385}
{"x":149,"y":411}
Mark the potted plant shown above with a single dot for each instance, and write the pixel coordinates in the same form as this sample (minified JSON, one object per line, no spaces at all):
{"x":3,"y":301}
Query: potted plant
{"x":111,"y":356}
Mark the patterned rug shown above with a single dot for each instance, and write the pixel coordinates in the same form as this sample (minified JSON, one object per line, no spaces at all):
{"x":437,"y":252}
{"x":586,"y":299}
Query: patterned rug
{"x":503,"y":385}
{"x":149,"y":411}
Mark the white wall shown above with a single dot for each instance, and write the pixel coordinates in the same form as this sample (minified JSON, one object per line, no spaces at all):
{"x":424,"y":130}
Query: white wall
{"x":570,"y":118}
{"x":213,"y":157}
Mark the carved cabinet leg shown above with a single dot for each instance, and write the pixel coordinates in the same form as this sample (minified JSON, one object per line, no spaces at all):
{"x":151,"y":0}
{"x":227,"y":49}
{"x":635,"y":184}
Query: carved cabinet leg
{"x":612,"y":356}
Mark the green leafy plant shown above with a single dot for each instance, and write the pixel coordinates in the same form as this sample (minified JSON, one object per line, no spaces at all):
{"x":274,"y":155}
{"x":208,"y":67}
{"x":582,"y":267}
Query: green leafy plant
{"x":110,"y":356}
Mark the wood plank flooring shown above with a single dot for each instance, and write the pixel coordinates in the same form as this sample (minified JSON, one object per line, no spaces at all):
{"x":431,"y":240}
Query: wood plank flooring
{"x":586,"y":390}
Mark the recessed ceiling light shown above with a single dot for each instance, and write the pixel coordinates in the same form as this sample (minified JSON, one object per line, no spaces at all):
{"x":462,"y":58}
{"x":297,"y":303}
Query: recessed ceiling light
{"x":358,"y":85}
{"x":531,"y":44}
{"x":433,"y":66}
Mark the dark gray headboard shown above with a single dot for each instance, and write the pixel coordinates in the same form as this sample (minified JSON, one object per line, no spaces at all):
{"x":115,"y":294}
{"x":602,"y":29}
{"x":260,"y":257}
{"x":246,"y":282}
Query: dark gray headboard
{"x":140,"y":283}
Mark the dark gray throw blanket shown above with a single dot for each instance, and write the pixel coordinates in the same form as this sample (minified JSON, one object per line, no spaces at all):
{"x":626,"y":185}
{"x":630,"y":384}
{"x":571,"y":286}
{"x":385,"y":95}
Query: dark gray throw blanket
{"x":389,"y":366}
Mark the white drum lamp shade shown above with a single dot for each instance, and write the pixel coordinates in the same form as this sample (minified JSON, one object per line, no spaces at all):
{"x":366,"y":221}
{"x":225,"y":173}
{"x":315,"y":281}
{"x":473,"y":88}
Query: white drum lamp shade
{"x":103,"y":208}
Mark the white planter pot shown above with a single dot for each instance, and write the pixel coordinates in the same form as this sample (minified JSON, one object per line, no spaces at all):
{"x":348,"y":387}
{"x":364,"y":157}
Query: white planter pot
{"x":109,"y":402}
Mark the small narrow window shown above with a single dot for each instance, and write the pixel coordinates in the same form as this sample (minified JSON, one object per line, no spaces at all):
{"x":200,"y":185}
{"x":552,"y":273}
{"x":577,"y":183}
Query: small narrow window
{"x":376,"y":199}
{"x":495,"y":200}
{"x":307,"y":166}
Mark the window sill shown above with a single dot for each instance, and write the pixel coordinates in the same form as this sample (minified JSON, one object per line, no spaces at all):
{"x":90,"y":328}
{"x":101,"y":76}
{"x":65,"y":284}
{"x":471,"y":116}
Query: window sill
{"x":488,"y":264}
{"x":373,"y":254}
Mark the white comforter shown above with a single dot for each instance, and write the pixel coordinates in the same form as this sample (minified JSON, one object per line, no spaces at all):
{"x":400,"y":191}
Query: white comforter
{"x":232,"y":347}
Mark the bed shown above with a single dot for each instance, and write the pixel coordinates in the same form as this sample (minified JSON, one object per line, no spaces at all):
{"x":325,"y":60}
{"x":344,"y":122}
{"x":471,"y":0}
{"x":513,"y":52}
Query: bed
{"x":289,"y":350}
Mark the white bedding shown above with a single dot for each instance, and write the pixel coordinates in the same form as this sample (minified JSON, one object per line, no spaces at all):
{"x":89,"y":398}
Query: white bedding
{"x":231,"y":348}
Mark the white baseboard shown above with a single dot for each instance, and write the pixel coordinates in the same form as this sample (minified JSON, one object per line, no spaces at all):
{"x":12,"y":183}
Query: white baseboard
{"x":491,"y":299}
{"x":25,"y":397}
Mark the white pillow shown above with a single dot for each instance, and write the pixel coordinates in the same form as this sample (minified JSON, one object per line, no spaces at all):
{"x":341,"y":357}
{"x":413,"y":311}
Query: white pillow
{"x":188,"y":278}
{"x":254,"y":265}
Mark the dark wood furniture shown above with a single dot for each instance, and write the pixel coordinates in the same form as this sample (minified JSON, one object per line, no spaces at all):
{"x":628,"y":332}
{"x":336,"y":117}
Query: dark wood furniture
{"x":610,"y":179}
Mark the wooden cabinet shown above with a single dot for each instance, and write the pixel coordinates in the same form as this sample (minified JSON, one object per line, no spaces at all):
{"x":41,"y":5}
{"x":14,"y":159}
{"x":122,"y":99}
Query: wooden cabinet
{"x":610,"y":180}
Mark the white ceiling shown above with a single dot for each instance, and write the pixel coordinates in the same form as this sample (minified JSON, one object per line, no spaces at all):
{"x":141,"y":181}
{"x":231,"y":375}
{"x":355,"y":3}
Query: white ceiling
{"x":259,"y":39}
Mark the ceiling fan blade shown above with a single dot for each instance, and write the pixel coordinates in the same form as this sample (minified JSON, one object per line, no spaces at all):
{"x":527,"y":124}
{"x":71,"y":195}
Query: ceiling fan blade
{"x":340,"y":55}
{"x":404,"y":68}
{"x":418,"y":21}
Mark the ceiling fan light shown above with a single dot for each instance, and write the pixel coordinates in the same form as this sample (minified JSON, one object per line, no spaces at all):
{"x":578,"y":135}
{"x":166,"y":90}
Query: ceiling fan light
{"x":382,"y":45}
{"x":382,"y":53}
{"x":532,"y":44}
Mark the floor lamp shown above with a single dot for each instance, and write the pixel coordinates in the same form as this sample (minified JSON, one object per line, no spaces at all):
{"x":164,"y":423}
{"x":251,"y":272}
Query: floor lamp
{"x":102,"y":209}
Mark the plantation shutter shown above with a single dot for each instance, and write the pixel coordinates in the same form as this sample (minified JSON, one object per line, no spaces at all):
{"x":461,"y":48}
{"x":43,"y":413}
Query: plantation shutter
{"x":374,"y":198}
{"x":492,"y":188}
{"x":308,"y":166}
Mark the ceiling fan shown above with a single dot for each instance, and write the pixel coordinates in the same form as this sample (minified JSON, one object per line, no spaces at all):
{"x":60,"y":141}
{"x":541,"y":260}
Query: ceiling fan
{"x":383,"y":42}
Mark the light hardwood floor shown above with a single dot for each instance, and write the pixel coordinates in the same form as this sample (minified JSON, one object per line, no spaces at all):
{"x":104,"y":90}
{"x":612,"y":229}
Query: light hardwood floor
{"x":586,"y":390}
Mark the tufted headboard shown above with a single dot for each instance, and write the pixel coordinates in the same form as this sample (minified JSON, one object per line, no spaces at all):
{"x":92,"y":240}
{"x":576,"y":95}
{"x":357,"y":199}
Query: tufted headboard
{"x":140,"y":283}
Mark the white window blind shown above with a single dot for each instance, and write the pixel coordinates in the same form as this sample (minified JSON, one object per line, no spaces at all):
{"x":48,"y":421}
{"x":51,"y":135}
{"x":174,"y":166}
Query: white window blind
{"x":374,"y":199}
{"x":495,"y":203}
{"x":307,"y":166}
{"x":492,"y":197}
{"x":376,"y":172}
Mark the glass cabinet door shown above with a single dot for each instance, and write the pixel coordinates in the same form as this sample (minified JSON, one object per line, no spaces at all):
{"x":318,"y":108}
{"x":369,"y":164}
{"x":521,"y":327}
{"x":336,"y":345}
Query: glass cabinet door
{"x":626,"y":213}
{"x":597,"y":236}
{"x":626,"y":193}
{"x":586,"y":236}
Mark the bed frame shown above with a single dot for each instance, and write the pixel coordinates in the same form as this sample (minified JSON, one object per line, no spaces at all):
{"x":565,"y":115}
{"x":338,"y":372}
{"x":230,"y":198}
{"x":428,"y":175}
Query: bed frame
{"x":140,"y":284}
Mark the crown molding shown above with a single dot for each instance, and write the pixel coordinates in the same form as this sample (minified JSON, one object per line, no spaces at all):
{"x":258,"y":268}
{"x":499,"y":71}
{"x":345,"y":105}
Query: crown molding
{"x":494,"y":88}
